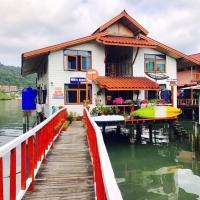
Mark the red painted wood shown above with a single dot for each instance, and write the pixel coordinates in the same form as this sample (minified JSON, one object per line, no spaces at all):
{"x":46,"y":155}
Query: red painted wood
{"x":1,"y":178}
{"x":23,"y":165}
{"x":100,"y":189}
{"x":31,"y":162}
{"x":13,"y":174}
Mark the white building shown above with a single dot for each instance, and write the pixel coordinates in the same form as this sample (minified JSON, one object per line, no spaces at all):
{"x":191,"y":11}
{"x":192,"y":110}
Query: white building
{"x":122,"y":53}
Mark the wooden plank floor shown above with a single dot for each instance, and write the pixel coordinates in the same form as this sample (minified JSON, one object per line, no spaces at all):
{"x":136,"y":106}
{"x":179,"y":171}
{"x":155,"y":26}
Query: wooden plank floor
{"x":68,"y":173}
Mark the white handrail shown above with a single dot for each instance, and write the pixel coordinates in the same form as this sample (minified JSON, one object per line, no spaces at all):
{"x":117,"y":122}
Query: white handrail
{"x":111,"y":187}
{"x":17,"y":141}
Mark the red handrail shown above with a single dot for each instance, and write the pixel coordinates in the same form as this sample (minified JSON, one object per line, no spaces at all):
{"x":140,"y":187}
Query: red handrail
{"x":106,"y":187}
{"x":34,"y":147}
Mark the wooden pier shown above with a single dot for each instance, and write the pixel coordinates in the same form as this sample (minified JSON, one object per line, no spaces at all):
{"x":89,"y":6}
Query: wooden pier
{"x":67,"y":172}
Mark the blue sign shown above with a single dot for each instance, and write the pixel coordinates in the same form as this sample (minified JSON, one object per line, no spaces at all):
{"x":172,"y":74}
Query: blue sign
{"x":77,"y":80}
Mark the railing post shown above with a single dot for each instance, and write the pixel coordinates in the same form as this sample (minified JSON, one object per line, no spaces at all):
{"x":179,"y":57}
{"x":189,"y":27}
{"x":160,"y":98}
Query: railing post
{"x":13,"y":174}
{"x":31,"y":162}
{"x":1,"y":178}
{"x":23,"y":165}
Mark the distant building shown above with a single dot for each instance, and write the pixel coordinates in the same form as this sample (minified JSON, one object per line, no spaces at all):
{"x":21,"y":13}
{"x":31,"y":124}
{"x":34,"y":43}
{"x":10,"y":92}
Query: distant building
{"x":8,"y":88}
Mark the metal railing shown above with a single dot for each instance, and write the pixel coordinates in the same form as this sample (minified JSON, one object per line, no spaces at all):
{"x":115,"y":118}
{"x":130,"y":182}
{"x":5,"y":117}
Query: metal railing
{"x":34,"y":145}
{"x":106,"y":187}
{"x":119,"y":69}
{"x":188,"y":102}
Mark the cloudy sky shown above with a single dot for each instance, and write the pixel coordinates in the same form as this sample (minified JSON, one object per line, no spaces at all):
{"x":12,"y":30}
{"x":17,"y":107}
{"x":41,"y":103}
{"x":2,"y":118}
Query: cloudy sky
{"x":30,"y":24}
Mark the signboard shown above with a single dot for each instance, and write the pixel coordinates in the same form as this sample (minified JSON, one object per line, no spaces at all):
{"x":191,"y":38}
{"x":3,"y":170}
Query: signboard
{"x":92,"y":74}
{"x":58,"y":93}
{"x":77,"y":80}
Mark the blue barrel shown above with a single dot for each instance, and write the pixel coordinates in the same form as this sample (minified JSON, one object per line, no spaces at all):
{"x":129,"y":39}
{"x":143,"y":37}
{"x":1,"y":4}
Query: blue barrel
{"x":28,"y":98}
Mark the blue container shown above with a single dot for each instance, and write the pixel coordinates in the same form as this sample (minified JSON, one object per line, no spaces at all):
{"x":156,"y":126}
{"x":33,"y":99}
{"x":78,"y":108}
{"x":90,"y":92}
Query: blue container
{"x":28,"y":98}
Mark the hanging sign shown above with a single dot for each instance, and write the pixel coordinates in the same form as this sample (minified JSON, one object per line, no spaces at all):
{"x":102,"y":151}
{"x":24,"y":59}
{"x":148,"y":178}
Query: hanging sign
{"x":92,"y":74}
{"x":77,"y":80}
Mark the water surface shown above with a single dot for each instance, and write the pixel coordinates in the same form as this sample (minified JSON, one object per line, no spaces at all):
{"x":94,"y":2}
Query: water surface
{"x":162,"y":171}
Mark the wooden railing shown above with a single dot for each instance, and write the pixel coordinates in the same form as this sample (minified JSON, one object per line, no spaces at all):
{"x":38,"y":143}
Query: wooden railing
{"x":188,"y":102}
{"x":106,"y":187}
{"x":33,"y":146}
{"x":119,"y":69}
{"x":196,"y":77}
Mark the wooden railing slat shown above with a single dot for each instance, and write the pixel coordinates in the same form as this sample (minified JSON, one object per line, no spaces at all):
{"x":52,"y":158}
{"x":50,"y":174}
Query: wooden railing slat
{"x":13,"y":174}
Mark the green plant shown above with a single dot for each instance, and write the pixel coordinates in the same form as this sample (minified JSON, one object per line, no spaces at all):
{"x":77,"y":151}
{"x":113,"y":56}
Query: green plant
{"x":69,"y":118}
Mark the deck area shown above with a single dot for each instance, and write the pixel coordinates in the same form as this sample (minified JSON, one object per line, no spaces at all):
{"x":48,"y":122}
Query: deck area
{"x":67,"y":173}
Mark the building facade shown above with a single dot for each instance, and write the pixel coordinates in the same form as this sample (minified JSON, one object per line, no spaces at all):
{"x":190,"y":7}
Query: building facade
{"x":130,"y":65}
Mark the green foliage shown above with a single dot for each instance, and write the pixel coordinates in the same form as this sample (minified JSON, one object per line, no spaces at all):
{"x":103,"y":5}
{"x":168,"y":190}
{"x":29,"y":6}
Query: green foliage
{"x":101,"y":110}
{"x":12,"y":76}
{"x":4,"y":96}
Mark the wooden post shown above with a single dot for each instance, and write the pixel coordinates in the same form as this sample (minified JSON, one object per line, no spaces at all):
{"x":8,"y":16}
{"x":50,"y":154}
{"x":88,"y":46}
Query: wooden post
{"x":86,"y":85}
{"x":150,"y":132}
{"x":138,"y":133}
{"x":1,"y":178}
{"x":23,"y":165}
{"x":199,"y":107}
{"x":13,"y":174}
{"x":131,"y":138}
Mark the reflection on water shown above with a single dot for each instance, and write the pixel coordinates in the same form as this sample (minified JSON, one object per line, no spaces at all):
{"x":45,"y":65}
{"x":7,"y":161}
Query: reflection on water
{"x":159,"y":171}
{"x":10,"y":120}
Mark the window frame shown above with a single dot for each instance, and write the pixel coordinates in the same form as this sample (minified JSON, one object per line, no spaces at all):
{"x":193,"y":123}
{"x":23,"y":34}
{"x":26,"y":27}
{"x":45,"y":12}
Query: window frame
{"x":82,"y":62}
{"x":78,"y":90}
{"x":77,"y":56}
{"x":67,"y":67}
{"x":65,"y":95}
{"x":155,"y":69}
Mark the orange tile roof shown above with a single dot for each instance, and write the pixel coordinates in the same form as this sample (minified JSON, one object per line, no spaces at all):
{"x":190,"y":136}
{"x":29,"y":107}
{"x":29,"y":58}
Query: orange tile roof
{"x":195,"y":56}
{"x":62,"y":45}
{"x":127,"y":17}
{"x":170,"y":50}
{"x":125,"y":41}
{"x":126,"y":83}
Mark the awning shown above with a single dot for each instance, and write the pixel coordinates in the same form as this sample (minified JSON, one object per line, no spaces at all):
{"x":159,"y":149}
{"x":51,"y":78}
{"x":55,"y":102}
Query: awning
{"x":126,"y":83}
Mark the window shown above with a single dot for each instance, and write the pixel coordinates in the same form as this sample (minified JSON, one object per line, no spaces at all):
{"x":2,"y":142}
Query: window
{"x":154,"y":63}
{"x":77,"y":60}
{"x":76,"y":93}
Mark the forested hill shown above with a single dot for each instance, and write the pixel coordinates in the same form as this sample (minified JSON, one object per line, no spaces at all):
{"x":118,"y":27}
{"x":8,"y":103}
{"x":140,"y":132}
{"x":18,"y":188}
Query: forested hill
{"x":10,"y":75}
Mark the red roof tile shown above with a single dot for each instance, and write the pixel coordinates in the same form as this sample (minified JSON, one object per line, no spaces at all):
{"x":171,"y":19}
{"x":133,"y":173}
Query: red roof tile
{"x":62,"y":45}
{"x":125,"y":16}
{"x":195,"y":56}
{"x":125,"y":41}
{"x":126,"y":83}
{"x":168,"y":49}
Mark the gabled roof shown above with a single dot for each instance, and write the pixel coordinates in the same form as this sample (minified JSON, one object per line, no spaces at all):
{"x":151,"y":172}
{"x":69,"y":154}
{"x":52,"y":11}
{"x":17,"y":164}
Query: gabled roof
{"x":62,"y":45}
{"x":195,"y":56}
{"x":170,"y":51}
{"x":125,"y":19}
{"x":126,"y":83}
{"x":125,"y":41}
{"x":32,"y":59}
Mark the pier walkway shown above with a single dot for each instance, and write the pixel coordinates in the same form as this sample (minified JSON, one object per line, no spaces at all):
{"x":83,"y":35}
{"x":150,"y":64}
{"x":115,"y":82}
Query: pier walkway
{"x":48,"y":162}
{"x":67,"y":172}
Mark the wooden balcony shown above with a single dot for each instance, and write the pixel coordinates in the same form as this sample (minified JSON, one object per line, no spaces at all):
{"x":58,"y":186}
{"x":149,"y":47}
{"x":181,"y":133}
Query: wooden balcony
{"x":119,"y":69}
{"x":188,"y":102}
{"x":196,"y":77}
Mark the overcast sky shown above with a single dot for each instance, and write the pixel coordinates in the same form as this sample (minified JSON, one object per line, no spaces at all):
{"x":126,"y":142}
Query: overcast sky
{"x":30,"y":24}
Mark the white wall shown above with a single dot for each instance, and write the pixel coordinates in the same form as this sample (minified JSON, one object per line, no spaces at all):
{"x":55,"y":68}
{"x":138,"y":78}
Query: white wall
{"x":58,"y":77}
{"x":171,"y":68}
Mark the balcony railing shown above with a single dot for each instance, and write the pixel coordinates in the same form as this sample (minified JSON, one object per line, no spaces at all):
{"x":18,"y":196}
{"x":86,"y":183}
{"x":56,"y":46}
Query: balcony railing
{"x":119,"y":69}
{"x":188,"y":102}
{"x":195,"y":76}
